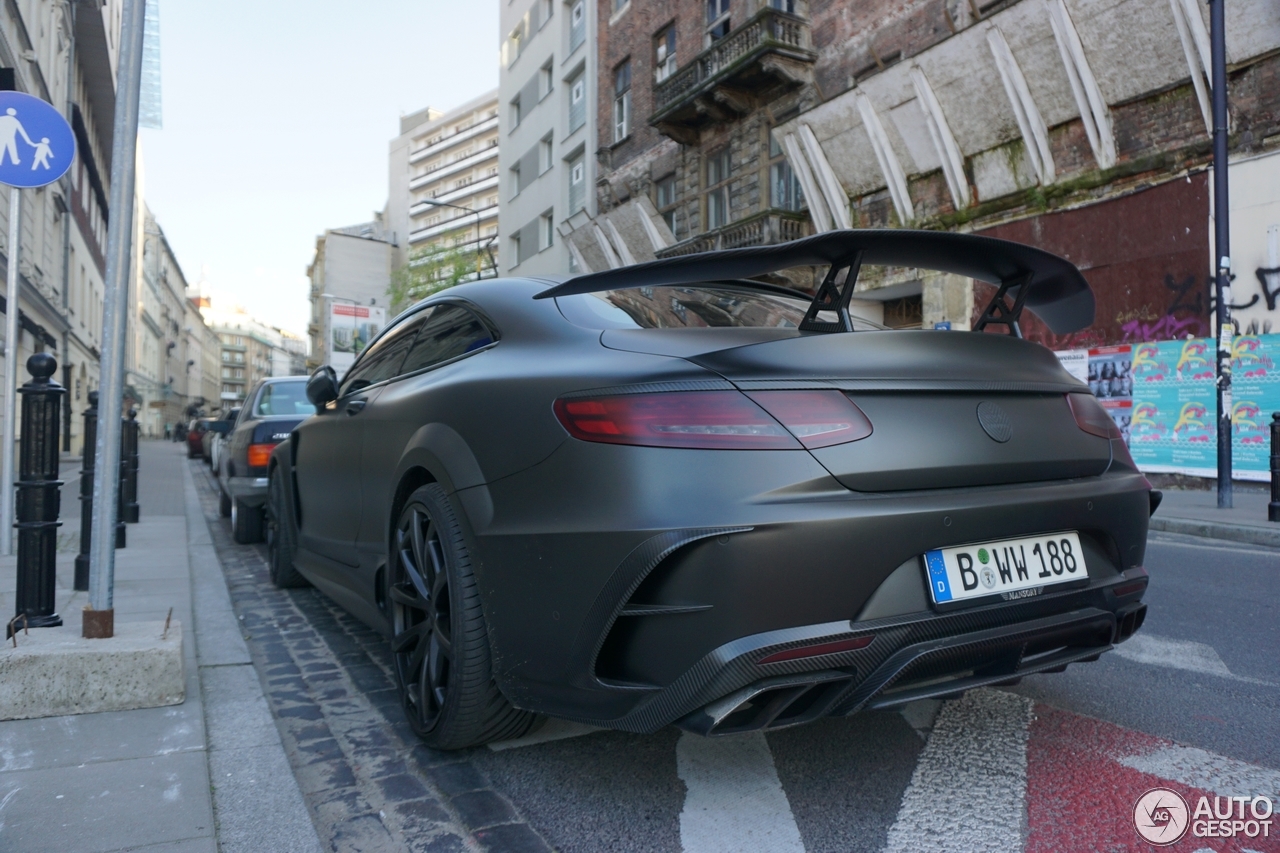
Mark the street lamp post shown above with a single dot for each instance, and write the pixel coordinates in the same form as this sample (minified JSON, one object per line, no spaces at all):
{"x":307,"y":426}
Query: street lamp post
{"x":434,"y":203}
{"x":1221,"y":248}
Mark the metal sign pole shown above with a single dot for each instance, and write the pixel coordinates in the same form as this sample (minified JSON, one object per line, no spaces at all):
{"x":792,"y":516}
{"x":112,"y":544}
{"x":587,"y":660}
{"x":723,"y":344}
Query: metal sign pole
{"x":114,"y":320}
{"x":10,"y":373}
{"x":1221,"y":248}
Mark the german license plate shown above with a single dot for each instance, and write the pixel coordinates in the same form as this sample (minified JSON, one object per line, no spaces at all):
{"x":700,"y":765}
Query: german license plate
{"x":1010,"y":569}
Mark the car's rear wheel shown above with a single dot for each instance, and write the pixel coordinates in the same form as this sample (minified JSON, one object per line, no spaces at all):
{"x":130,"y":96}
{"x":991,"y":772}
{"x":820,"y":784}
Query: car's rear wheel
{"x":246,"y":522}
{"x":440,"y":642}
{"x":280,"y":536}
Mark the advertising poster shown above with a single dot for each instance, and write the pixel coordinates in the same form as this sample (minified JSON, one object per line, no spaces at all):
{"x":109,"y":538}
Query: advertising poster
{"x":351,"y":327}
{"x":1110,"y":378}
{"x":1255,"y":371}
{"x":1075,"y":362}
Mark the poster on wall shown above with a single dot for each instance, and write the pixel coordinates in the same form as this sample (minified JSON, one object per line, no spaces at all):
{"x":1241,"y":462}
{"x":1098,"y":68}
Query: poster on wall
{"x":1110,"y":378}
{"x":1075,"y":362}
{"x":1255,"y":371}
{"x":351,"y":327}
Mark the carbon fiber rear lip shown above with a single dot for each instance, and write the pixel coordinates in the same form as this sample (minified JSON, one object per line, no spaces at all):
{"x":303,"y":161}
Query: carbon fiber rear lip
{"x":733,"y":666}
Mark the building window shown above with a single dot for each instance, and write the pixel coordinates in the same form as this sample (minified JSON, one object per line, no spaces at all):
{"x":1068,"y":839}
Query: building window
{"x":548,"y":7}
{"x":619,"y":5}
{"x":515,"y":247}
{"x":664,"y":54}
{"x":717,"y":20}
{"x":544,"y":154}
{"x":717,"y":184}
{"x":788,"y":6}
{"x":577,"y":101}
{"x":665,"y":200}
{"x":515,"y":44}
{"x":544,"y":78}
{"x":546,"y":230}
{"x":516,"y":112}
{"x":784,"y":187}
{"x":577,"y":184}
{"x":515,"y":180}
{"x":622,"y":101}
{"x":577,"y":25}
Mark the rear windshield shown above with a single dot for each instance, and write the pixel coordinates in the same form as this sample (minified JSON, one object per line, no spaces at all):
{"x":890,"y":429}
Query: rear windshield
{"x":674,"y":307}
{"x":283,"y":398}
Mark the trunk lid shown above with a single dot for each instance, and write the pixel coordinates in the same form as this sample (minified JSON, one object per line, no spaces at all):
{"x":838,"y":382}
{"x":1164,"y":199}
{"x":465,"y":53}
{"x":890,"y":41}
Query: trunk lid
{"x":923,"y":392}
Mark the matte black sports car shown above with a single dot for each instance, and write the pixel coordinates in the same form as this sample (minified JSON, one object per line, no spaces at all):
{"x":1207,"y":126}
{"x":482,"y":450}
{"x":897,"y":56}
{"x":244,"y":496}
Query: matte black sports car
{"x":670,"y":493}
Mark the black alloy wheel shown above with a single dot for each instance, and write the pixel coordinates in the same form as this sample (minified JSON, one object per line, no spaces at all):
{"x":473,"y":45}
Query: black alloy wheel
{"x":440,"y":642}
{"x":423,"y":619}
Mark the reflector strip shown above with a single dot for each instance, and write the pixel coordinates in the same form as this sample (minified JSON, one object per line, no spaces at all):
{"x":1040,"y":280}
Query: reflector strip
{"x":820,"y":649}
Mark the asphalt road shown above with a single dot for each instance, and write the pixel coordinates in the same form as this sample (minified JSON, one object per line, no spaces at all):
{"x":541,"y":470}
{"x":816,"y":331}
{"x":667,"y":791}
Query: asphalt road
{"x":1055,"y":763}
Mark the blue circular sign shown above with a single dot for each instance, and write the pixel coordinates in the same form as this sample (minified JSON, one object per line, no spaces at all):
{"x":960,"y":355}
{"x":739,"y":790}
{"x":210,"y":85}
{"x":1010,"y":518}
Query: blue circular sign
{"x":36,"y":144}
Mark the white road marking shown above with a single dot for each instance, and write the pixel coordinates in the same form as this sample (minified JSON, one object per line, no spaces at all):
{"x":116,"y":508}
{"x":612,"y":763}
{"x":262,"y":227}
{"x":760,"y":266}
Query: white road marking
{"x":968,"y":792}
{"x":553,"y":729}
{"x":1198,"y":768}
{"x":1178,"y":654}
{"x":734,"y":801}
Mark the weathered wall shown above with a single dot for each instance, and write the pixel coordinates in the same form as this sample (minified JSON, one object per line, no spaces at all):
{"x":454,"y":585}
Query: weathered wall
{"x":1145,"y":255}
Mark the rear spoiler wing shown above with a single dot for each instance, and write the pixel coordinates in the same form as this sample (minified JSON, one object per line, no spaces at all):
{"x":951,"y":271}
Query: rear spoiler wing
{"x":1048,"y":285}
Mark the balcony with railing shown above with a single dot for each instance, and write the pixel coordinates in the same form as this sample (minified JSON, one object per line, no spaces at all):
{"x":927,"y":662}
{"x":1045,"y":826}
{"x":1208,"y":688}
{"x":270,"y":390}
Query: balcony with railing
{"x":771,"y":49}
{"x":762,"y":229}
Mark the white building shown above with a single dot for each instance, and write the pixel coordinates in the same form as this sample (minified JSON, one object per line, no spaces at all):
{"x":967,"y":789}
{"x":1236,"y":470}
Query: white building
{"x":547,"y":93}
{"x":352,"y":266}
{"x":443,"y":182}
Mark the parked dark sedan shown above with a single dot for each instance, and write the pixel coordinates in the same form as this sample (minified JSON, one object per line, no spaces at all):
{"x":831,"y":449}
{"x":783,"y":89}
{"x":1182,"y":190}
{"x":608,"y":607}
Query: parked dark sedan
{"x":195,"y":437}
{"x":272,"y":408}
{"x":671,"y":493}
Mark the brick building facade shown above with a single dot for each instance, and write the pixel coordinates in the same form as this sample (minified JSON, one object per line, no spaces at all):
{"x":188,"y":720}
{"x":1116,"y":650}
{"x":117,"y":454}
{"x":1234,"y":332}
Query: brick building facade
{"x":1078,"y":125}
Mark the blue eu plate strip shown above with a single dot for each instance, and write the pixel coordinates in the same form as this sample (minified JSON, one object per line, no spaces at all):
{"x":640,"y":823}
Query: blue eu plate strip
{"x":938,"y":583}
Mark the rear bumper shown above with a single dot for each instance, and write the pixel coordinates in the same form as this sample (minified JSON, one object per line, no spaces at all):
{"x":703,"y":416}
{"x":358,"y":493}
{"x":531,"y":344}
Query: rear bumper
{"x":251,"y":491}
{"x":920,"y":656}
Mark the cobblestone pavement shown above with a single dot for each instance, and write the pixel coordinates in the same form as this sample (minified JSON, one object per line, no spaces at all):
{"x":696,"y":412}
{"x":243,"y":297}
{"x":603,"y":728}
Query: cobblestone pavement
{"x":370,"y":783}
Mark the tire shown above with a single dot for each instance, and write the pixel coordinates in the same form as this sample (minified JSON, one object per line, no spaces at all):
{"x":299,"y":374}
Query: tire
{"x":440,"y":643}
{"x":246,"y":523}
{"x":281,"y":537}
{"x":224,"y":504}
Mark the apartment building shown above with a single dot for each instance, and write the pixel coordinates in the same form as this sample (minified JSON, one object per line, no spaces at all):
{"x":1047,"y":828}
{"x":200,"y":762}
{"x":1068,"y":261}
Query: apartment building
{"x":1081,"y":126}
{"x":351,"y":274}
{"x":64,"y":54}
{"x":546,"y":89}
{"x":443,"y":186}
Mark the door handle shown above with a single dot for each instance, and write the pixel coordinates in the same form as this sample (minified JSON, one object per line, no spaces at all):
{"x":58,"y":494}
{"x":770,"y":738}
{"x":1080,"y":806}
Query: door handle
{"x":355,"y":407}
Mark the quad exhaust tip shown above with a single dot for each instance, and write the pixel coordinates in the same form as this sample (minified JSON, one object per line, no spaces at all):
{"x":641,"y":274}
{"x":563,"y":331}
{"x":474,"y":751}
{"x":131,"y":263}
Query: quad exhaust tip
{"x":1129,"y":621}
{"x":774,"y":703}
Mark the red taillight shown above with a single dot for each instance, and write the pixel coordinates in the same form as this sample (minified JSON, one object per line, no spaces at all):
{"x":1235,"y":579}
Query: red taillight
{"x":260,"y":455}
{"x":819,"y":649}
{"x":1091,"y":417}
{"x":816,"y":418}
{"x":722,"y":420}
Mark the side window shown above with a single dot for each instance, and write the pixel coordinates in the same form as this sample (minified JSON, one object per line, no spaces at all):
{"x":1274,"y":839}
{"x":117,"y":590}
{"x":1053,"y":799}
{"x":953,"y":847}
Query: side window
{"x":382,"y":361}
{"x":449,"y":332}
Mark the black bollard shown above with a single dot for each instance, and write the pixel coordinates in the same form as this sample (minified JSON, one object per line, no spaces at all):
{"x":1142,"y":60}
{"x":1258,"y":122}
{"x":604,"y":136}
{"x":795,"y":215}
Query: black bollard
{"x":121,"y":536}
{"x":38,"y":496}
{"x":129,"y":456}
{"x":1273,"y":508}
{"x":86,"y":492}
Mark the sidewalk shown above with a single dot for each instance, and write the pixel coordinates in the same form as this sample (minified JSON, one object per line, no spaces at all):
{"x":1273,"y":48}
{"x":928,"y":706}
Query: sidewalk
{"x":1196,"y":513}
{"x":207,"y":775}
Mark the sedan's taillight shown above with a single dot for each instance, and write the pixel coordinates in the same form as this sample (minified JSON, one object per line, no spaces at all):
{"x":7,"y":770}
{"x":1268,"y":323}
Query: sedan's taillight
{"x":718,"y":420}
{"x":260,"y":455}
{"x":1092,"y":417}
{"x":817,"y":418}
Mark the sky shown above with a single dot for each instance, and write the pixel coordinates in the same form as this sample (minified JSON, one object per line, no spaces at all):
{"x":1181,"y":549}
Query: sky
{"x":277,"y":118}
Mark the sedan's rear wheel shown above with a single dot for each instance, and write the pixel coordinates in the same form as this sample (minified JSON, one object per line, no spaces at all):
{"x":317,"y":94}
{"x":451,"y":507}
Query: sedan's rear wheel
{"x":246,"y":522}
{"x":281,"y":536}
{"x":440,"y":642}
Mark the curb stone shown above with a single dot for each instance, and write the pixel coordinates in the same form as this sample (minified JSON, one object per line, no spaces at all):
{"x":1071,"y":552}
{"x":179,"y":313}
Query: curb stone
{"x":1218,"y":530}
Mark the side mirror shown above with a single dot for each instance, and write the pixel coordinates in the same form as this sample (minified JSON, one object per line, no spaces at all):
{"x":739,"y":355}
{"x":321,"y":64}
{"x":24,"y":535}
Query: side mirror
{"x":322,"y":387}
